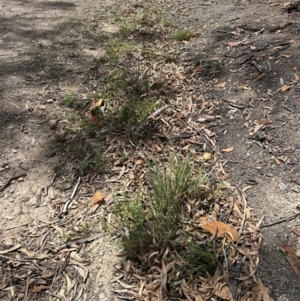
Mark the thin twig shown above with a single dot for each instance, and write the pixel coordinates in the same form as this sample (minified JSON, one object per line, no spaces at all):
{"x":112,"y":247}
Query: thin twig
{"x":233,"y":104}
{"x":244,"y":216}
{"x":282,"y":220}
{"x":61,"y":298}
{"x":15,"y":259}
{"x":69,"y":201}
{"x":150,"y":117}
{"x":158,"y":112}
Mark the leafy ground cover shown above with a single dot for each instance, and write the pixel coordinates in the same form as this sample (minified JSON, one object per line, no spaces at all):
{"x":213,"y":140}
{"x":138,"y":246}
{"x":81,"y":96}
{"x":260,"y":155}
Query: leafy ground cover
{"x":178,"y":216}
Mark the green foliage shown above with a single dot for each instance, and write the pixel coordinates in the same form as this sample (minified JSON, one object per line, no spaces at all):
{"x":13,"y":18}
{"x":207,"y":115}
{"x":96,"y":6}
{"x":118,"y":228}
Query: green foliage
{"x":182,"y":35}
{"x":115,"y":47}
{"x":74,"y":101}
{"x":76,"y":229}
{"x":166,"y":56}
{"x":87,"y":157}
{"x":197,"y":259}
{"x":141,"y":22}
{"x":129,"y":115}
{"x":167,"y":22}
{"x":171,"y":183}
{"x":214,"y":65}
{"x":134,"y":104}
{"x":132,"y":214}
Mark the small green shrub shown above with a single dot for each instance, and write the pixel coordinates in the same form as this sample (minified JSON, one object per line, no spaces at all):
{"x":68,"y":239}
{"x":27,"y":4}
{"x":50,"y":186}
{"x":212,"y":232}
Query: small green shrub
{"x":74,"y":101}
{"x":86,"y":157}
{"x":115,"y":47}
{"x":167,"y":22}
{"x":182,"y":35}
{"x":171,"y":183}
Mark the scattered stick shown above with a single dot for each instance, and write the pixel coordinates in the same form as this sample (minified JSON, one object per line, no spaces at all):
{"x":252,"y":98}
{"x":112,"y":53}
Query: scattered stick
{"x":15,"y":259}
{"x":158,"y":112}
{"x":69,"y":201}
{"x":244,"y":216}
{"x":233,"y":104}
{"x":282,"y":220}
{"x":61,"y":298}
{"x":150,"y":117}
{"x":23,"y":175}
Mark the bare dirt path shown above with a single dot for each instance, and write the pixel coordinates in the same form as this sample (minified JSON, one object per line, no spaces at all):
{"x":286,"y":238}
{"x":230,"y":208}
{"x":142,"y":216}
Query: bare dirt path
{"x":45,"y":52}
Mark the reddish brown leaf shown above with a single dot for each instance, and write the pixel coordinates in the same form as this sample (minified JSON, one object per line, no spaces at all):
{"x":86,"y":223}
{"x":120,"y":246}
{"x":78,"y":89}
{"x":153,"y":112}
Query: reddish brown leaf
{"x":222,"y":229}
{"x":97,"y":198}
{"x":179,"y":75}
{"x":284,"y":88}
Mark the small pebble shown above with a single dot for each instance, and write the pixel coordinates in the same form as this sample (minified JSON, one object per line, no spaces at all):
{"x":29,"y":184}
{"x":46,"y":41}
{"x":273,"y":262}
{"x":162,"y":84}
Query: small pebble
{"x":282,"y":187}
{"x":53,"y":124}
{"x":21,"y":179}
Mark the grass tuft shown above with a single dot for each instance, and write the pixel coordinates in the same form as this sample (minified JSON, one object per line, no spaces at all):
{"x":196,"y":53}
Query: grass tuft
{"x":154,"y":218}
{"x":115,"y":47}
{"x":86,"y":157}
{"x":182,"y":35}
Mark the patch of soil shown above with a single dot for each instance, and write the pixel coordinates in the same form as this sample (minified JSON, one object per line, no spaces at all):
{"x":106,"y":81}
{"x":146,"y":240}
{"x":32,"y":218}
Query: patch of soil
{"x":258,"y":86}
{"x":46,"y":51}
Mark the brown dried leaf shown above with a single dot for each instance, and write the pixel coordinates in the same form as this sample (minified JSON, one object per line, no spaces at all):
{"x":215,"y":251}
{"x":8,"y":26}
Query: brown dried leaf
{"x":94,"y":119}
{"x":222,"y":229}
{"x":76,"y":257}
{"x":197,"y":297}
{"x":97,"y":198}
{"x":286,"y":55}
{"x":291,"y":257}
{"x":32,"y":255}
{"x":264,"y":121}
{"x":207,"y":156}
{"x":97,"y":103}
{"x":16,"y":247}
{"x":59,"y":230}
{"x":222,"y":85}
{"x":139,"y":162}
{"x":224,"y":177}
{"x":152,"y":286}
{"x":228,"y":149}
{"x":284,"y":88}
{"x":179,"y":75}
{"x":264,"y":290}
{"x":40,"y":288}
{"x":237,"y":43}
{"x":199,"y":69}
{"x":222,"y":291}
{"x":277,"y":161}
